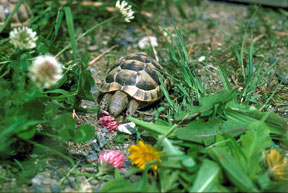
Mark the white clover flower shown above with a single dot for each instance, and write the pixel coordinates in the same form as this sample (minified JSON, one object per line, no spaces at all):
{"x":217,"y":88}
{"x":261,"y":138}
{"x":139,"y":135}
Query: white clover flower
{"x":125,"y":10}
{"x":45,"y":71}
{"x":23,"y":38}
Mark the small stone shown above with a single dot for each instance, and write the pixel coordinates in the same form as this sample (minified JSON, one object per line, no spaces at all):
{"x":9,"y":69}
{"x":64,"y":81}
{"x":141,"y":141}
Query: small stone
{"x":71,"y":178}
{"x":93,"y":48}
{"x":55,"y":188}
{"x":82,"y":178}
{"x":94,"y":182}
{"x":201,"y":59}
{"x":105,"y":130}
{"x":147,"y":41}
{"x":122,"y":42}
{"x":272,"y":59}
{"x":85,"y":187}
{"x":46,"y":181}
{"x":194,"y":30}
{"x":39,"y":188}
{"x":101,"y":139}
{"x":95,"y":147}
{"x":125,"y":146}
{"x":92,"y":158}
{"x":38,"y":179}
{"x":252,"y":24}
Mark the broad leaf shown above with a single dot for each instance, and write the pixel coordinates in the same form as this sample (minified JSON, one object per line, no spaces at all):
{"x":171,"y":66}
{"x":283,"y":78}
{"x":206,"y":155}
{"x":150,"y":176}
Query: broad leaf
{"x":206,"y":103}
{"x":84,"y":133}
{"x":208,"y":178}
{"x":235,"y":173}
{"x":155,"y":128}
{"x":254,"y":142}
{"x":200,"y":131}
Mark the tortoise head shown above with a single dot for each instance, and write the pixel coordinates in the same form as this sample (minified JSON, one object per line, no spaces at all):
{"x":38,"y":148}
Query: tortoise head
{"x":118,"y":103}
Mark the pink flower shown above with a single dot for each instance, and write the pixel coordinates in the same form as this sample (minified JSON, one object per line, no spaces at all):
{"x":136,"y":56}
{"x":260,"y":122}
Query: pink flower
{"x":109,"y":122}
{"x":112,"y":158}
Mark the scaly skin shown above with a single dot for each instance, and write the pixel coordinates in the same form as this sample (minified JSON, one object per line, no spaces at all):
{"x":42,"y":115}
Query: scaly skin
{"x":118,"y":103}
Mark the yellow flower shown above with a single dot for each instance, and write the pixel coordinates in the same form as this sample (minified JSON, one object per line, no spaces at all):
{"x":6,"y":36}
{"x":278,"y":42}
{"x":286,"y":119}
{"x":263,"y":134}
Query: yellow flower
{"x":141,"y":154}
{"x":278,"y":165}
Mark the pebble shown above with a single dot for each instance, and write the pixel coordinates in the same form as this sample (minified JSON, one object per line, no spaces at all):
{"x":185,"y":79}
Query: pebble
{"x":93,"y":48}
{"x":55,"y":188}
{"x":38,"y":179}
{"x":92,"y":158}
{"x":105,"y":130}
{"x":146,"y":41}
{"x":252,"y":24}
{"x":94,"y":145}
{"x":101,"y":139}
{"x":201,"y":58}
{"x":94,"y":182}
{"x":126,"y":146}
{"x":121,"y":42}
{"x":46,"y":181}
{"x":38,"y":188}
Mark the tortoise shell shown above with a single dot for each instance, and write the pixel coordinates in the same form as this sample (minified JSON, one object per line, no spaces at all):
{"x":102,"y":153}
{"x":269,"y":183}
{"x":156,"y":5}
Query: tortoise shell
{"x":20,"y":18}
{"x":136,"y":75}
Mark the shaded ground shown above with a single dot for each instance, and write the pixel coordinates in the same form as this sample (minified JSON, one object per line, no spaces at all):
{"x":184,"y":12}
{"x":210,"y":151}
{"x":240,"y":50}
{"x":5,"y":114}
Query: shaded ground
{"x":202,"y":38}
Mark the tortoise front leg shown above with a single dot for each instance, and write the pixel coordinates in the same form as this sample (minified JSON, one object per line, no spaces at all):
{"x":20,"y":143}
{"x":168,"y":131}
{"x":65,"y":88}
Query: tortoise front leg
{"x":105,"y":102}
{"x":132,"y":107}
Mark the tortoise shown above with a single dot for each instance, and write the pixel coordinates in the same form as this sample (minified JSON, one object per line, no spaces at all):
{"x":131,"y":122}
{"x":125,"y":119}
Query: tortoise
{"x":20,"y":18}
{"x":133,"y":84}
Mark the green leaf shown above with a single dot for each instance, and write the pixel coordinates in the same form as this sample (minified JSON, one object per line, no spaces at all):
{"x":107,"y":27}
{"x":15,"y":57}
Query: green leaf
{"x":188,"y":161}
{"x":155,"y":128}
{"x":121,"y":186}
{"x":224,"y":79}
{"x":119,"y":138}
{"x":27,"y":134}
{"x":84,"y":133}
{"x":69,"y":21}
{"x":247,"y":114}
{"x":180,"y":8}
{"x":165,"y":91}
{"x":51,"y":110}
{"x":235,"y":173}
{"x":171,"y":150}
{"x":207,"y":103}
{"x":200,"y":131}
{"x":168,"y":179}
{"x":65,"y":125}
{"x":58,"y":23}
{"x":234,"y":127}
{"x":254,"y":142}
{"x":208,"y":178}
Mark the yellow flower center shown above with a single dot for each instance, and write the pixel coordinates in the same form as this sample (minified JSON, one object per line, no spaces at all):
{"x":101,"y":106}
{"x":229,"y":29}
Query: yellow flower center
{"x":141,"y":154}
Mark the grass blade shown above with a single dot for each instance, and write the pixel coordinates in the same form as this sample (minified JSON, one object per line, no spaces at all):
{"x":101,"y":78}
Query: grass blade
{"x":58,"y":22}
{"x":69,"y":21}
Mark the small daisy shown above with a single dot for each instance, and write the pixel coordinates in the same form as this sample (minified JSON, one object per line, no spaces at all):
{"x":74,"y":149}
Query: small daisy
{"x":141,"y":154}
{"x":277,"y":164}
{"x":125,"y":10}
{"x":45,"y":71}
{"x":23,"y":38}
{"x":112,"y":158}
